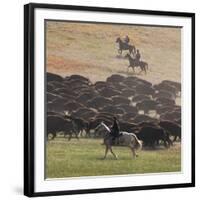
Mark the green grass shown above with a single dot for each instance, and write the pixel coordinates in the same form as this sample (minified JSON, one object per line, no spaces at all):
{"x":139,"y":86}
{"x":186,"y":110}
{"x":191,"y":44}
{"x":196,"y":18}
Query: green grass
{"x":84,"y":158}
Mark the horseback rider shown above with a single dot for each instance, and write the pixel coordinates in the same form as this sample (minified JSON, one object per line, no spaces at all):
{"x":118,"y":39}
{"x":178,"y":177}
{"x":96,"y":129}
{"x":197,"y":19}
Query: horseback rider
{"x":115,"y":132}
{"x":126,"y":40}
{"x":137,"y":56}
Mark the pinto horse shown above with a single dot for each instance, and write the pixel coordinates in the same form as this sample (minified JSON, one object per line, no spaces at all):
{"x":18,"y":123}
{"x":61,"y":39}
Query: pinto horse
{"x":125,"y":139}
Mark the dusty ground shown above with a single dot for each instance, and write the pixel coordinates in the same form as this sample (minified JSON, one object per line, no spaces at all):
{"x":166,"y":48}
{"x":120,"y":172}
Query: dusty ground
{"x":90,"y":50}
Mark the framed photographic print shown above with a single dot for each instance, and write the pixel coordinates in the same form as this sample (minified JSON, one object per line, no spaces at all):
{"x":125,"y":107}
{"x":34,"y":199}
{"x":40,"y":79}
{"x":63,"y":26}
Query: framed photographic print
{"x":108,"y":99}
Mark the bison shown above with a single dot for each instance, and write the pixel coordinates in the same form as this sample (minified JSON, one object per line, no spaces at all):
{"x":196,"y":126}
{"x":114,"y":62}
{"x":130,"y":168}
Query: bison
{"x":152,"y":135}
{"x":173,"y":128}
{"x":57,"y":124}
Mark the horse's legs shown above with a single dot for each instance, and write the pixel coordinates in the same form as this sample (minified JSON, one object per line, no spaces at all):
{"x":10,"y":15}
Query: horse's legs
{"x":165,"y":144}
{"x":145,"y":70}
{"x":133,"y":151}
{"x":134,"y":49}
{"x":77,"y":135}
{"x":106,"y":151}
{"x":133,"y":69}
{"x":70,"y":136}
{"x":112,"y":152}
{"x":175,"y":137}
{"x":131,"y":51}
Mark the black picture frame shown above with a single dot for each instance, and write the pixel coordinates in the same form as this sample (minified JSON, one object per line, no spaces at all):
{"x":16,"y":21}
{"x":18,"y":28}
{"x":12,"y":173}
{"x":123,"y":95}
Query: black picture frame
{"x":29,"y":95}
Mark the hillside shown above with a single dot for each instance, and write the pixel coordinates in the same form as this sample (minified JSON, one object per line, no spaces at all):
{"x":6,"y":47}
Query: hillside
{"x":90,"y":50}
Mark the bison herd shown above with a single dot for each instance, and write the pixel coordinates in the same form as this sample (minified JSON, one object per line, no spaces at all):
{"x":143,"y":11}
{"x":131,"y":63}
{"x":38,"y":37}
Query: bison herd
{"x":76,"y":106}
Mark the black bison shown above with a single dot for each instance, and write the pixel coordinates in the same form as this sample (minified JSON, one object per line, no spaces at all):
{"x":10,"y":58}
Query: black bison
{"x":66,"y":91}
{"x":56,"y":84}
{"x":166,"y":101}
{"x":161,"y":109}
{"x":107,"y":115}
{"x":85,"y":97}
{"x":54,"y":77}
{"x":112,"y":109}
{"x":57,"y":124}
{"x":117,"y":100}
{"x":99,"y":85}
{"x":127,"y":126}
{"x":98,"y":102}
{"x":50,"y":87}
{"x":115,"y":78}
{"x":52,"y":96}
{"x":108,"y":92}
{"x":174,"y":84}
{"x":71,"y":106}
{"x":130,"y":83}
{"x":167,"y":87}
{"x":144,"y":82}
{"x":128,"y":108}
{"x":147,"y":105}
{"x":140,"y":97}
{"x":76,"y":77}
{"x":119,"y":86}
{"x":127,"y":92}
{"x":144,"y":118}
{"x":164,"y":94}
{"x":79,"y":124}
{"x":173,"y":128}
{"x":144,"y":89}
{"x":81,"y":111}
{"x":171,"y":115}
{"x":88,"y":115}
{"x":129,"y":116}
{"x":152,"y":135}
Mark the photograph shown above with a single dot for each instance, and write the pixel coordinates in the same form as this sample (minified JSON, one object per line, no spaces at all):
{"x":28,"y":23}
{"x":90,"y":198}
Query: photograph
{"x":108,"y":99}
{"x":113,"y":94}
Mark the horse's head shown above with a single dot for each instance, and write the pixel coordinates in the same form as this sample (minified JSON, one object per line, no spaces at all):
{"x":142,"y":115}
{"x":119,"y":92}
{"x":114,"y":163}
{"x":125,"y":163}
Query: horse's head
{"x":118,"y":39}
{"x":127,"y":55}
{"x":99,"y":126}
{"x":102,"y":126}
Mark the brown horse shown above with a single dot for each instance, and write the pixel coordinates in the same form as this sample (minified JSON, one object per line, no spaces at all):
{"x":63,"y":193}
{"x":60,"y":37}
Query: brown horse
{"x":135,"y":63}
{"x":125,"y":46}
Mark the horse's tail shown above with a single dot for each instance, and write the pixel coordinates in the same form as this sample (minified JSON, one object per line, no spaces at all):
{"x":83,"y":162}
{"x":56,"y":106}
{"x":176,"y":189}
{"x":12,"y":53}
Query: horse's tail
{"x":138,"y":143}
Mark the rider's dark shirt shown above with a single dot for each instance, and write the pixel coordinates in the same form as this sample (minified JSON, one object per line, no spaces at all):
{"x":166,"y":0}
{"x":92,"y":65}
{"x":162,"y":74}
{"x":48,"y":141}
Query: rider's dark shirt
{"x":137,"y":56}
{"x":115,"y":129}
{"x":127,"y":40}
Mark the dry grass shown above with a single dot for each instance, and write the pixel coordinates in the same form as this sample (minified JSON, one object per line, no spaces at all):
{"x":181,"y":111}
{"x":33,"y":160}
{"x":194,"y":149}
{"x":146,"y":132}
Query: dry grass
{"x":90,"y":50}
{"x":84,"y":158}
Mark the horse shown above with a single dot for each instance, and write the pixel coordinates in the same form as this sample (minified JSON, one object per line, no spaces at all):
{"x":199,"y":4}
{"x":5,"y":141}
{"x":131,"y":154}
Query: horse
{"x":125,"y":46}
{"x":125,"y":139}
{"x":135,"y":63}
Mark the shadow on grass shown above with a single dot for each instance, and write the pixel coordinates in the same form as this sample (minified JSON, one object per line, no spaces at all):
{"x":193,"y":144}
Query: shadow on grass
{"x":157,"y":148}
{"x":120,"y":57}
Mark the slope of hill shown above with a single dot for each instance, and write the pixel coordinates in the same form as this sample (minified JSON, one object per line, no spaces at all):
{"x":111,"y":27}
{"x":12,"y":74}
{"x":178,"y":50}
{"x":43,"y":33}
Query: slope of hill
{"x":90,"y":50}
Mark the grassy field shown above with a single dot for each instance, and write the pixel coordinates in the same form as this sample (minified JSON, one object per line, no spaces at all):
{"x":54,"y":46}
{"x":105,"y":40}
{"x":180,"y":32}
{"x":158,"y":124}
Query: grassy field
{"x":84,"y":158}
{"x":90,"y":50}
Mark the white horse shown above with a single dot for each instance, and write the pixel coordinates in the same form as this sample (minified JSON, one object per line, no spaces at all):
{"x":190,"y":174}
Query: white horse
{"x":125,"y":139}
